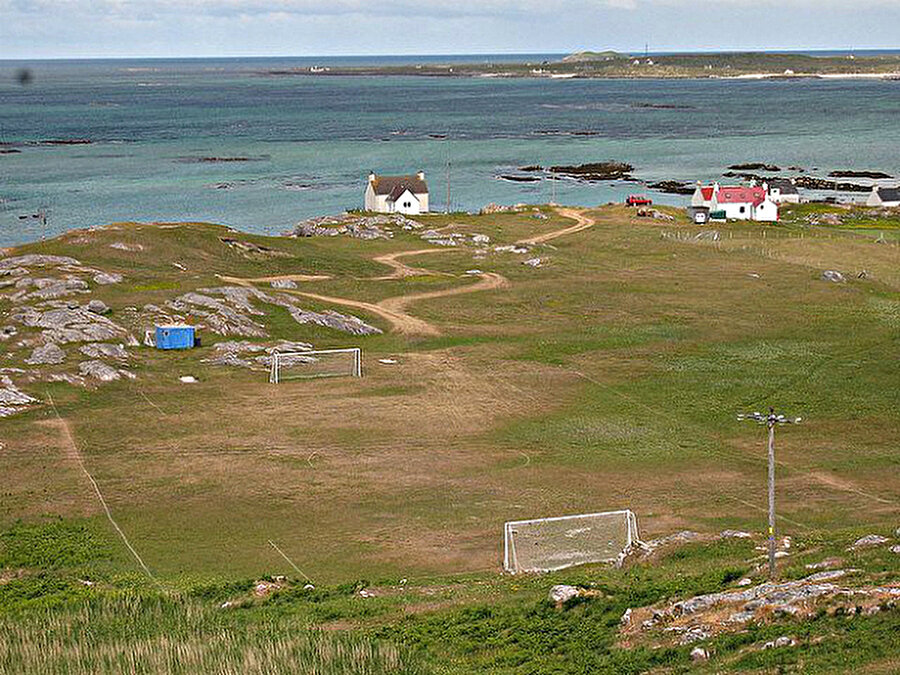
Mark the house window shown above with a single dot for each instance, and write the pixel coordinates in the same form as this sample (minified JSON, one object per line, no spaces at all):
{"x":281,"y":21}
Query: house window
{"x":407,"y":204}
{"x":743,"y":208}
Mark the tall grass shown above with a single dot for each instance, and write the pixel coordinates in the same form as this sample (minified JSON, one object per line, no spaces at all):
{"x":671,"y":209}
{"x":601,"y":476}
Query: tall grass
{"x":159,"y":634}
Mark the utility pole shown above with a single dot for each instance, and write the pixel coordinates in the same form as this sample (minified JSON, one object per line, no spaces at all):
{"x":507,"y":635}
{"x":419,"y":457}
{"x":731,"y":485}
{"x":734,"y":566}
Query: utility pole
{"x":770,"y":420}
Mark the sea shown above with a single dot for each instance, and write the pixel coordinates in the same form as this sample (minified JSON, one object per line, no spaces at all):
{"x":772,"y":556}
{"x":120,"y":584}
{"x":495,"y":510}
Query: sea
{"x":226,"y":141}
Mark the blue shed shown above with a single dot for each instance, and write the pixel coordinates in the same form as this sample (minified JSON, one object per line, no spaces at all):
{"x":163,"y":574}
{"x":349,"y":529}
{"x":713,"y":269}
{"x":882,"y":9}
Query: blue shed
{"x":176,"y":336}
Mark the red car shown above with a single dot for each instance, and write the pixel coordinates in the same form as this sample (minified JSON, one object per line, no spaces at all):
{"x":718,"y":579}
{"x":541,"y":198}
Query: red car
{"x":639,"y":200}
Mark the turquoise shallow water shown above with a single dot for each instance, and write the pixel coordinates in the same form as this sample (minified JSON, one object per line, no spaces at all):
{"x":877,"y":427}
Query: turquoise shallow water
{"x":312,"y":140}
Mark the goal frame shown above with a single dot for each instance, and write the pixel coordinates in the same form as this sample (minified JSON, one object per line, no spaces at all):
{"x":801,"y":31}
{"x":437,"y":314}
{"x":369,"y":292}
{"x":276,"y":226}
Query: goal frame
{"x":275,"y":366}
{"x":510,"y":563}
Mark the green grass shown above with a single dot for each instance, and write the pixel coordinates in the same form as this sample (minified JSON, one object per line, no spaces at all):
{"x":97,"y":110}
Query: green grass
{"x":608,"y":378}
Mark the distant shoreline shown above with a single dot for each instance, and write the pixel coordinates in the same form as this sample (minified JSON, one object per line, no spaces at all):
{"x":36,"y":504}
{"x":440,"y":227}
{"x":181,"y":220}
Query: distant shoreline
{"x":614,"y":65}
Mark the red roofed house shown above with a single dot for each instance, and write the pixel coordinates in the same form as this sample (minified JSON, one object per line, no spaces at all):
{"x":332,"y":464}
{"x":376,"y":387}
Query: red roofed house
{"x":397,"y":194}
{"x":737,"y":202}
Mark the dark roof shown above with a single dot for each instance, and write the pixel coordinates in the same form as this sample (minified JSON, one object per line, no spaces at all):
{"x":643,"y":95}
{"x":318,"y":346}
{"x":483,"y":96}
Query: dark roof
{"x":396,"y":185}
{"x":889,"y":194}
{"x":783,"y":184}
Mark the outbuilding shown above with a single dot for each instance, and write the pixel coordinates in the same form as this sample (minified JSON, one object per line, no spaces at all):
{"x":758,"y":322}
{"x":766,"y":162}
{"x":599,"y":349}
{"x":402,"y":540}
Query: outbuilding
{"x":175,"y":336}
{"x":882,"y":196}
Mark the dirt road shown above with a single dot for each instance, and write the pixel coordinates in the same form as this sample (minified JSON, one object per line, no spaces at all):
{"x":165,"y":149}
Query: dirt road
{"x":393,"y":309}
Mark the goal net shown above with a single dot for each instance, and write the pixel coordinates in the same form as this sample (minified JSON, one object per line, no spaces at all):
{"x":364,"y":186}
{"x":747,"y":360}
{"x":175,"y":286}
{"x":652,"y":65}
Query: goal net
{"x":315,"y":363}
{"x":547,"y":544}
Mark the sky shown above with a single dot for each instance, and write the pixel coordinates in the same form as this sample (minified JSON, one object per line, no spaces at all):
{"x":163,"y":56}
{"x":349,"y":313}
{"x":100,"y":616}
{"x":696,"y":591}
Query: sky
{"x":172,"y":28}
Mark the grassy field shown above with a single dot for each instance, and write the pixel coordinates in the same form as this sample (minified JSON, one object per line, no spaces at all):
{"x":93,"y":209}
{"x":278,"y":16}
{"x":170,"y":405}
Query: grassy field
{"x":609,"y":377}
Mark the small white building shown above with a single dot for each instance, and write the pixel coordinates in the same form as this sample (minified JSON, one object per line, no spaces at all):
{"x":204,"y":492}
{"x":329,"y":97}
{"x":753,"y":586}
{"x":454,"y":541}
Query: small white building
{"x":736,"y":202}
{"x":397,"y":194}
{"x":783,"y":191}
{"x":882,"y":196}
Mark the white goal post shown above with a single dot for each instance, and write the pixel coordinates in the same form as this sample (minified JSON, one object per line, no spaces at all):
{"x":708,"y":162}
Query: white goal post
{"x":547,"y":544}
{"x":315,"y":363}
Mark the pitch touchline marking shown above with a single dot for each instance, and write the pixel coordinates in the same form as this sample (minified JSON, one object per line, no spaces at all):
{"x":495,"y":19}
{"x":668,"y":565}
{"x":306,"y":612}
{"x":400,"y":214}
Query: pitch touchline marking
{"x":291,"y":562}
{"x":309,"y":459}
{"x":96,"y":487}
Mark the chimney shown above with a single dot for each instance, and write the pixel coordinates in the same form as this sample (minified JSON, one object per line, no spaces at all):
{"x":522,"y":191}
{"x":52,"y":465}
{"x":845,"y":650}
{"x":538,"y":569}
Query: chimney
{"x":420,"y":175}
{"x":716,"y":188}
{"x":371,"y":176}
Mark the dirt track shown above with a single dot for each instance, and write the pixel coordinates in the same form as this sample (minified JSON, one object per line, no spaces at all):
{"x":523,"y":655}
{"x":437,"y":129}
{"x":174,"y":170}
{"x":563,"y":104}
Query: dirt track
{"x":402,"y":270}
{"x":393,"y":309}
{"x":582,"y":223}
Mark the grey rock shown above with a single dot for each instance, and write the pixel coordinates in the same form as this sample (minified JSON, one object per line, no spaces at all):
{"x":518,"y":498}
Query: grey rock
{"x":122,"y":246}
{"x":868,"y":541}
{"x":895,"y":549}
{"x":12,"y":400}
{"x":778,"y":643}
{"x":480,"y":239}
{"x":102,"y":371}
{"x":97,"y":307}
{"x":37,"y":260}
{"x":99,"y":371}
{"x":48,"y":353}
{"x":833,"y":276}
{"x":533,"y":262}
{"x":626,"y":617}
{"x":64,"y":324}
{"x":7,"y":332}
{"x":734,"y":534}
{"x":284,"y":283}
{"x":561,"y":594}
{"x":99,"y":350}
{"x":699,"y":654}
{"x":106,"y":278}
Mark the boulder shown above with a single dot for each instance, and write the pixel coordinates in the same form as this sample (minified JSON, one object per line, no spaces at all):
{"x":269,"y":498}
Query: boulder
{"x":833,"y":276}
{"x":106,"y":278}
{"x":98,"y":350}
{"x":99,"y":370}
{"x":895,"y":549}
{"x":699,"y":654}
{"x":562,"y":593}
{"x":284,"y":283}
{"x":734,"y":534}
{"x":7,"y":332}
{"x":97,"y":307}
{"x":46,"y":353}
{"x":868,"y":541}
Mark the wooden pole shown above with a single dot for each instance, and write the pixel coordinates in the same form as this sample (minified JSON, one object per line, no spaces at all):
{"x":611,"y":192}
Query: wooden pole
{"x":771,"y":493}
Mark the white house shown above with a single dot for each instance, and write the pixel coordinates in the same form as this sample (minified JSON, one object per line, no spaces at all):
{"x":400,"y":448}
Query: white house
{"x":736,"y":202}
{"x":783,"y":191}
{"x":882,"y":196}
{"x":397,"y":194}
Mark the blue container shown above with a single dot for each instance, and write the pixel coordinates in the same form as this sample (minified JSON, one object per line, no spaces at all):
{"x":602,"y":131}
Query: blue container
{"x":175,"y":337}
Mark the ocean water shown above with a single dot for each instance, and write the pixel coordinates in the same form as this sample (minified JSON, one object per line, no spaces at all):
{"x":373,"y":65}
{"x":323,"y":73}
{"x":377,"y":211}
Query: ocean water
{"x":309,"y":141}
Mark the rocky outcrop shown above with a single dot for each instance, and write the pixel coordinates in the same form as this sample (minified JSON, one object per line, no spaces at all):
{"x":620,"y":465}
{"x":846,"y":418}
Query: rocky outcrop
{"x":102,"y":371}
{"x":12,"y":400}
{"x":231,"y":314}
{"x":63,"y":324}
{"x":49,"y":353}
{"x":595,"y":171}
{"x":360,"y":227}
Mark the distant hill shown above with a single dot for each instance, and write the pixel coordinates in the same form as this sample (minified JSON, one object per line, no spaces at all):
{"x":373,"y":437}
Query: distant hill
{"x":608,"y":55}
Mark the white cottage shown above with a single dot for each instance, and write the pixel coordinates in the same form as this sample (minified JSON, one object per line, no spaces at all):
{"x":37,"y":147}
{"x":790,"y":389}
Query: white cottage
{"x":736,"y":202}
{"x":882,"y":196}
{"x":397,"y":194}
